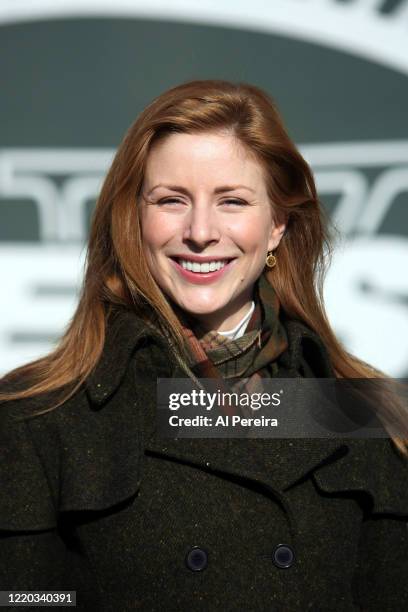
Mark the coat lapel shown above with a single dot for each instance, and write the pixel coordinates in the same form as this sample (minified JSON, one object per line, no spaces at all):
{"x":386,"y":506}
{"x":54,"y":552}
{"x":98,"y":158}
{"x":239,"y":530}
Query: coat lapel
{"x":336,"y":464}
{"x":277,"y":463}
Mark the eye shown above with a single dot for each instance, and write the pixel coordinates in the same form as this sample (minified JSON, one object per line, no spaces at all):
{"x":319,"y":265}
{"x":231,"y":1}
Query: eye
{"x":238,"y":202}
{"x":229,"y":200}
{"x":168,"y":200}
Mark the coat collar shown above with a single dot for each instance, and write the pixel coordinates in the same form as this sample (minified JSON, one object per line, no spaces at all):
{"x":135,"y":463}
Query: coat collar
{"x":125,"y":331}
{"x":370,"y":466}
{"x":282,"y":462}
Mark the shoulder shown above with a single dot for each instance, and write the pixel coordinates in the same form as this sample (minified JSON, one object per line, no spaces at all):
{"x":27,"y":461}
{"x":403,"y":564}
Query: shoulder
{"x":78,"y":456}
{"x":26,"y":500}
{"x":86,"y":453}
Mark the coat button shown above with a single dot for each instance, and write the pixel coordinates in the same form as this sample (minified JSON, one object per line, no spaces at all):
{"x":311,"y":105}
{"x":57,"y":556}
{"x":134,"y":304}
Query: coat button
{"x":283,"y":556}
{"x":197,"y":559}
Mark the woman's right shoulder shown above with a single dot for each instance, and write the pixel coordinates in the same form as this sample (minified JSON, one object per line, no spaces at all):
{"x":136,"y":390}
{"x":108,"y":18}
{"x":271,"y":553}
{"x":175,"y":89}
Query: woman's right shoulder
{"x":22,"y":409}
{"x":27,"y":500}
{"x":81,"y":455}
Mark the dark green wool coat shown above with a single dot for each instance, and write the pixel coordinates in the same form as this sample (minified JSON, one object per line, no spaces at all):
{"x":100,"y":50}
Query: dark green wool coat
{"x":93,"y":500}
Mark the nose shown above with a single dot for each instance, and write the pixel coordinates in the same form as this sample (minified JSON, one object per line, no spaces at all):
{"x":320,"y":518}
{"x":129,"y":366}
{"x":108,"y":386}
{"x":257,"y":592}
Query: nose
{"x":201,"y":226}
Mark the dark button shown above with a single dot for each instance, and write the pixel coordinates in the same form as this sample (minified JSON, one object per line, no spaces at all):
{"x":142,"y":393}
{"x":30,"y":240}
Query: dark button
{"x":197,"y":559}
{"x":283,"y":556}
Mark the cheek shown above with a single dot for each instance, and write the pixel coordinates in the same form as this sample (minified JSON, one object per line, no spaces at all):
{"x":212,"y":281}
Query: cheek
{"x":250,"y":233}
{"x":148,"y":235}
{"x":155,"y":232}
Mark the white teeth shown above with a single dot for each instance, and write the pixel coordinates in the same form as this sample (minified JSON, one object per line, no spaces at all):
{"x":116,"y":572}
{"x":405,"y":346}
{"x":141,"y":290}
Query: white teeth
{"x":205,"y":267}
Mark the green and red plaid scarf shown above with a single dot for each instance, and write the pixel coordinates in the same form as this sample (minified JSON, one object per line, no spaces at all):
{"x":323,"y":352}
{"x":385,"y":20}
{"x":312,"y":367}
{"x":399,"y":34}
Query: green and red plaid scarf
{"x":244,"y":361}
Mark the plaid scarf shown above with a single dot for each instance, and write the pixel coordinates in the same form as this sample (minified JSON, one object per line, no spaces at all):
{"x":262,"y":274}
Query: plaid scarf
{"x":244,"y":361}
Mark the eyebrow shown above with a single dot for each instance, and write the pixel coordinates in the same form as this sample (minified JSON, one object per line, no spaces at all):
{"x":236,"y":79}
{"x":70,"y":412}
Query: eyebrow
{"x":221,"y":189}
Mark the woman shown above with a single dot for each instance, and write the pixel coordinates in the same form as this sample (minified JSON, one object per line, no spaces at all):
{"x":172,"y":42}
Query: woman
{"x":206,"y":247}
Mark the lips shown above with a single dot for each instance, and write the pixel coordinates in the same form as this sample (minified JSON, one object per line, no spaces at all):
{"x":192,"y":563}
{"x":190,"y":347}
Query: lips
{"x":202,"y":278}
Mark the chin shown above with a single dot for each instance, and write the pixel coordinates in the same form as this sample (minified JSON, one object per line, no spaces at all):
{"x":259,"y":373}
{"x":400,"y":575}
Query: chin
{"x":198,"y":311}
{"x":198,"y":308}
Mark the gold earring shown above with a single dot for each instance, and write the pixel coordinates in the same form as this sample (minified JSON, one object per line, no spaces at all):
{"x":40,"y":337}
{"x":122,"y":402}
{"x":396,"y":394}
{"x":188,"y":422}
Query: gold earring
{"x":270,"y":260}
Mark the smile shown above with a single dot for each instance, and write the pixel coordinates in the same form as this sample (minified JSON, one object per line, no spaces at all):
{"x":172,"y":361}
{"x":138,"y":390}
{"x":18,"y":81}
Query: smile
{"x":209,"y":266}
{"x":202,"y":273}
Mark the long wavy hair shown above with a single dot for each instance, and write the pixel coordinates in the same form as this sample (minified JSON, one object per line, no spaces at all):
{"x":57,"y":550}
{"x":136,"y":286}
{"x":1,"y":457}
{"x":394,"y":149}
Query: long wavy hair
{"x":116,"y":271}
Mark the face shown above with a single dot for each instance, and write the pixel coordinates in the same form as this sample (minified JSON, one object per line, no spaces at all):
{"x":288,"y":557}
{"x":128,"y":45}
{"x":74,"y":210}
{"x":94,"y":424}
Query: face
{"x":204,"y":199}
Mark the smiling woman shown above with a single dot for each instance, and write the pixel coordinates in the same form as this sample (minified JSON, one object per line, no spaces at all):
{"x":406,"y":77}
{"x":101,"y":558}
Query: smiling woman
{"x":206,"y":259}
{"x":205,"y":243}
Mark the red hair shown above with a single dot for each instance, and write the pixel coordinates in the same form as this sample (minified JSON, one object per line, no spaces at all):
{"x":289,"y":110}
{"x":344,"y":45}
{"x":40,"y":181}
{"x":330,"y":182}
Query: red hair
{"x":116,"y":268}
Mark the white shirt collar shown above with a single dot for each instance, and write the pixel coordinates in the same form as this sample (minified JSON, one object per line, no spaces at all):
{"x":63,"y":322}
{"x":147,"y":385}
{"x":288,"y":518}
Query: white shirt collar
{"x":240,"y":328}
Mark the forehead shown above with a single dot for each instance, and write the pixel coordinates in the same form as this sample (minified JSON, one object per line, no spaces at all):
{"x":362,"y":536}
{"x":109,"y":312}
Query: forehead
{"x":201,"y":158}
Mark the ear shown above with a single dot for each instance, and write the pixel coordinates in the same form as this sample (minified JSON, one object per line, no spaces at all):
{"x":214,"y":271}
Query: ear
{"x":276,"y":234}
